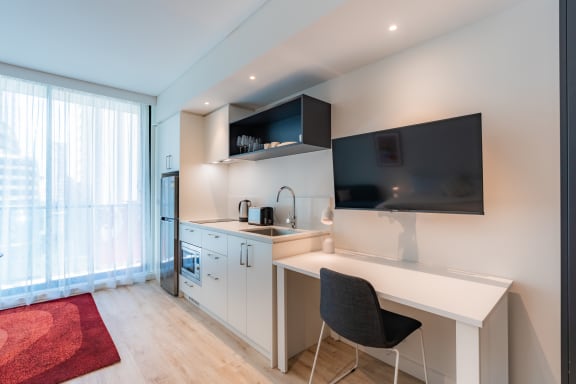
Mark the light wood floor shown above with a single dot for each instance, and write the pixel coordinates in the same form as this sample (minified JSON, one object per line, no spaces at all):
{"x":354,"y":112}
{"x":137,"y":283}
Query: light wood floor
{"x":166,"y":340}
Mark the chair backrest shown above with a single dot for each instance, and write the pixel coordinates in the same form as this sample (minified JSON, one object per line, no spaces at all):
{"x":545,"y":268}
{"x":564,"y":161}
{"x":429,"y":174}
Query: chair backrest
{"x":349,"y":305}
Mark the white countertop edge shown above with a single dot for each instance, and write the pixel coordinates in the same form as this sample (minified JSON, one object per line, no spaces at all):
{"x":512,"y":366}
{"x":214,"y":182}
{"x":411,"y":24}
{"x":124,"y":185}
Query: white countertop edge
{"x":236,"y":228}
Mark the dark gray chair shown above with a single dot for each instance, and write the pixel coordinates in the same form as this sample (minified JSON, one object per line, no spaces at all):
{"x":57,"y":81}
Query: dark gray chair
{"x":350,"y":307}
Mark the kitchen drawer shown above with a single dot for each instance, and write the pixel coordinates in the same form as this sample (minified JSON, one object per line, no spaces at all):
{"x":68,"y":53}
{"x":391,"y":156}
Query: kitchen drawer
{"x":215,"y":241}
{"x":190,"y":234}
{"x":190,"y":290}
{"x":214,"y":260}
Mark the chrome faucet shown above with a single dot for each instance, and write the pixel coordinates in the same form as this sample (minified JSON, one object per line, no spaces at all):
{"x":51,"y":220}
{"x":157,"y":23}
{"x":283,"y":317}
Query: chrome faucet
{"x":291,"y":218}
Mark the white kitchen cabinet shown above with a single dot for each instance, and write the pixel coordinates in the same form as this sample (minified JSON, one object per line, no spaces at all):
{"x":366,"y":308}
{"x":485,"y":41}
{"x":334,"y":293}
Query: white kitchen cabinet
{"x":190,"y":290}
{"x":168,"y":139}
{"x":237,"y":283}
{"x":174,"y":133}
{"x":216,"y":137}
{"x":214,"y":241}
{"x":214,"y":283}
{"x":190,"y":234}
{"x":250,"y":290}
{"x":214,"y":272}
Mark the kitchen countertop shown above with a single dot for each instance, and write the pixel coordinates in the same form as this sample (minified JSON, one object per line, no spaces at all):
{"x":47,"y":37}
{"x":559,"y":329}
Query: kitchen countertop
{"x":236,"y":228}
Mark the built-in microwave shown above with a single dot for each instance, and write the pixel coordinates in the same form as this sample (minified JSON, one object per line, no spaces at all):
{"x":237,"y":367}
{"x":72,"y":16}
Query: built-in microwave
{"x":191,"y":262}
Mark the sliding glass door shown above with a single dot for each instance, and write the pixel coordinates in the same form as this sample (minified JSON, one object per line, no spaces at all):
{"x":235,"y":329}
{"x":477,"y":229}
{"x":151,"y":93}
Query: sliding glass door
{"x":74,"y":192}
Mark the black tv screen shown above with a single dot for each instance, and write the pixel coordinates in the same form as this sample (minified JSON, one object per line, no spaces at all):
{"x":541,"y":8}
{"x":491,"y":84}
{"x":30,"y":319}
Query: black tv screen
{"x":429,"y":167}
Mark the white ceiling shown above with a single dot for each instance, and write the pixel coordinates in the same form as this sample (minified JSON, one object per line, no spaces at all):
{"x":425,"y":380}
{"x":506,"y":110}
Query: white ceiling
{"x":145,"y":46}
{"x":136,"y":45}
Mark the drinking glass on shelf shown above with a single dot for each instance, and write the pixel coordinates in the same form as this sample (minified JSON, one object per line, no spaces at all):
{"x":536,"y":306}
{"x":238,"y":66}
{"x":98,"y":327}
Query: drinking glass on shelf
{"x":250,"y":144}
{"x":239,"y":143}
{"x":243,"y":144}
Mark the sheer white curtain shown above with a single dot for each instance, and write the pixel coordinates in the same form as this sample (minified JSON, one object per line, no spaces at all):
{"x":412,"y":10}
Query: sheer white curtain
{"x":73,"y":192}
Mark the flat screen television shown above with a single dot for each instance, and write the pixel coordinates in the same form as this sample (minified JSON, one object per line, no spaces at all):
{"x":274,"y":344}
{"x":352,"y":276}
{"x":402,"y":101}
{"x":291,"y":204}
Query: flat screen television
{"x":429,"y":167}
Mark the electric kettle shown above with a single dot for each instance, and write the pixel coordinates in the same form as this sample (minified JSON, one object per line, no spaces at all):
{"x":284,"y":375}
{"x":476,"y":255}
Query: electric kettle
{"x":243,"y":210}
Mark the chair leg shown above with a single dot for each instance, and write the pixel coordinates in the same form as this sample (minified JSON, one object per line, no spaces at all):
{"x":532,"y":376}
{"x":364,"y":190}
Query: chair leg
{"x":316,"y":359}
{"x":317,"y":350}
{"x":348,"y":371}
{"x":396,"y":365}
{"x":423,"y":356}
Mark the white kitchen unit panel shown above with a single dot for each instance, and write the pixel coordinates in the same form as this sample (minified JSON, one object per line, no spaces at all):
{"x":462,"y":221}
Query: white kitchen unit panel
{"x":190,"y":234}
{"x":251,"y":291}
{"x":237,"y":283}
{"x":214,"y":283}
{"x":168,"y":139}
{"x":214,"y":241}
{"x":216,"y":137}
{"x":259,"y":294}
{"x":190,"y":290}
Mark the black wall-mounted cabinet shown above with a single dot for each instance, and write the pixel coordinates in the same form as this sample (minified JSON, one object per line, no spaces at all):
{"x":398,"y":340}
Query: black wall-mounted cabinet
{"x":300,"y":125}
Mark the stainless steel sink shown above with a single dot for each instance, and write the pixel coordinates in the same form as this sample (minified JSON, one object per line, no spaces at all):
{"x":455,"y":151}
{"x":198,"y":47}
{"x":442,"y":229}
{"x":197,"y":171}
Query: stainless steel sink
{"x":271,"y":231}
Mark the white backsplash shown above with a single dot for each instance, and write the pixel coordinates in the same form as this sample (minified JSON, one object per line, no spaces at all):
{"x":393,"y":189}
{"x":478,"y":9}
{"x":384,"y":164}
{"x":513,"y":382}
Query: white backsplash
{"x":308,"y":174}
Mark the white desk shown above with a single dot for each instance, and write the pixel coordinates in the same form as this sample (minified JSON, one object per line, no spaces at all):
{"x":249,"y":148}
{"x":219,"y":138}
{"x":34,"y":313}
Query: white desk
{"x":477,"y":304}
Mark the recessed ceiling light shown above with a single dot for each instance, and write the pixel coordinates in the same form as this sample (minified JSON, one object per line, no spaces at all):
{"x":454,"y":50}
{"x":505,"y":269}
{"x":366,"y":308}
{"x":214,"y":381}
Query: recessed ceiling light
{"x":206,"y":103}
{"x":252,"y":77}
{"x":393,"y":27}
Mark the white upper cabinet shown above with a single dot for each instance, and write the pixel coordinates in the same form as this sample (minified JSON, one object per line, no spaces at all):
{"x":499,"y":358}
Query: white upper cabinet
{"x":168,"y":139}
{"x":184,"y":129}
{"x":216,"y":138}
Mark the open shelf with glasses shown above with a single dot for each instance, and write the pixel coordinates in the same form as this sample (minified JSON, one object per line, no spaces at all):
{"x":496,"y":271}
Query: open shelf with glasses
{"x":299,"y":125}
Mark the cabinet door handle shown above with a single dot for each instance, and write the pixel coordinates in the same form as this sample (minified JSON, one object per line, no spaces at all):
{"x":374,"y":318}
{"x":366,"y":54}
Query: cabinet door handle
{"x":214,"y":236}
{"x":168,"y":161}
{"x":213,"y":277}
{"x":247,"y":262}
{"x":213,"y":256}
{"x":241,"y":245}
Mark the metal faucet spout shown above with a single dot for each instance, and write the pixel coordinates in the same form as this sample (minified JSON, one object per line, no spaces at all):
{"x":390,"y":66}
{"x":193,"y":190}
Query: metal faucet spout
{"x":291,"y":218}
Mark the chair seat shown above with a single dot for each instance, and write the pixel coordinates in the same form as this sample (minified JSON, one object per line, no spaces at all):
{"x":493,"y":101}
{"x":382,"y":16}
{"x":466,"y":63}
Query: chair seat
{"x":398,"y":327}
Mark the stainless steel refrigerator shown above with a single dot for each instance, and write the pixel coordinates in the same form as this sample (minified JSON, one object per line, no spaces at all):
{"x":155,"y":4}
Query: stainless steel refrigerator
{"x":169,"y":249}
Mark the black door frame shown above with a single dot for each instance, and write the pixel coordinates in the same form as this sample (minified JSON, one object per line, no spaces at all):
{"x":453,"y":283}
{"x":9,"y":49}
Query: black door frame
{"x":568,"y":186}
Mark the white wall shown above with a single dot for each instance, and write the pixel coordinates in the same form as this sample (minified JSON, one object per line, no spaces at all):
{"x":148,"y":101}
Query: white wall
{"x":505,"y":67}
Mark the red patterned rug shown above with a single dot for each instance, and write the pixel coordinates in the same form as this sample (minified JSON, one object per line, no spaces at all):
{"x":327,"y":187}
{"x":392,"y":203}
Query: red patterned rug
{"x":55,"y":341}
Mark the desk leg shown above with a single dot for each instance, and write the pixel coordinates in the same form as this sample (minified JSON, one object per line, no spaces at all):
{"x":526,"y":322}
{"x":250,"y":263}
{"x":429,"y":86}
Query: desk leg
{"x":482,"y":353}
{"x":281,"y":305}
{"x":467,"y":354}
